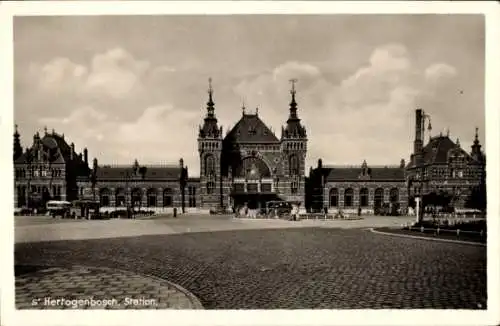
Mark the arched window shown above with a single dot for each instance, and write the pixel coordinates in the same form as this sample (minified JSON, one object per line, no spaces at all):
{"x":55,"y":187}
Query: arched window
{"x":136,"y":197}
{"x":294,"y":165}
{"x":394,"y":195}
{"x":251,"y":168}
{"x":104,"y":197}
{"x":167,"y":197}
{"x":152,"y":197}
{"x":348,"y":197}
{"x":210,"y":187}
{"x":120,"y":197}
{"x":378,"y":198}
{"x":209,"y":165}
{"x":334,"y":197}
{"x":363,"y":197}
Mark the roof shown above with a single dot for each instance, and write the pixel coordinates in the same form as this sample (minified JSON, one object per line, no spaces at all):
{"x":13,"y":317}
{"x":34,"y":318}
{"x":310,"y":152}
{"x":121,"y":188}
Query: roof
{"x":57,"y":151}
{"x":250,"y":129}
{"x":437,"y":149}
{"x":386,"y":173}
{"x":117,"y":172}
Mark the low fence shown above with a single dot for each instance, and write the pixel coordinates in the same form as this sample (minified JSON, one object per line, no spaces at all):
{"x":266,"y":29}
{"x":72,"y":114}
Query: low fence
{"x":306,"y":216}
{"x":441,"y":231}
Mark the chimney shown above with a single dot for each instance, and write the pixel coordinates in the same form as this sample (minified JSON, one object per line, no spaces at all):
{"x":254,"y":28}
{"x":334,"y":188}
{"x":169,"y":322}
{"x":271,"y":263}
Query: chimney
{"x":181,"y":163}
{"x":95,"y":164}
{"x":320,"y":164}
{"x":86,"y":156}
{"x":418,"y":143}
{"x":402,"y":164}
{"x":72,"y":151}
{"x":418,"y":131}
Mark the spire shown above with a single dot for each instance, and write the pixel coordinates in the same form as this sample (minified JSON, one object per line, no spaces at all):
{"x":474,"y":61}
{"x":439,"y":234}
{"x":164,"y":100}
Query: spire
{"x":293,"y":103}
{"x":210,"y":103}
{"x":476,"y":147}
{"x":18,"y":150}
{"x":243,"y":108}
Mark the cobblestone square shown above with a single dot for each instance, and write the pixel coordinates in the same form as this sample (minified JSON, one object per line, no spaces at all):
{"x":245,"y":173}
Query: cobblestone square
{"x":285,"y":268}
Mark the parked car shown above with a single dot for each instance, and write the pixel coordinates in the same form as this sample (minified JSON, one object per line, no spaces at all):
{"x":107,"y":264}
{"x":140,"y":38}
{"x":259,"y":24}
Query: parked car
{"x":59,"y":208}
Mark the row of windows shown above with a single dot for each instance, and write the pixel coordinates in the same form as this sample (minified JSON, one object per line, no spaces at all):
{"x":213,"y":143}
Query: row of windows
{"x":56,"y":190}
{"x":39,"y":172}
{"x":258,"y":147}
{"x":295,"y":146}
{"x":252,"y":187}
{"x":452,"y":172}
{"x":215,"y":145}
{"x":136,"y":199}
{"x":363,"y":196}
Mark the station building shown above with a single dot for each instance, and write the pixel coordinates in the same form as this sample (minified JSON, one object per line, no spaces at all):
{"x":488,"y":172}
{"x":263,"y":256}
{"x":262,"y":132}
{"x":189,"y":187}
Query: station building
{"x":247,"y":166}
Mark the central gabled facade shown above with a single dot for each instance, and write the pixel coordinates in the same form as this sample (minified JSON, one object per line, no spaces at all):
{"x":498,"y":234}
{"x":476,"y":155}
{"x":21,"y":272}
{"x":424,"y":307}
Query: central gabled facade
{"x":250,"y":165}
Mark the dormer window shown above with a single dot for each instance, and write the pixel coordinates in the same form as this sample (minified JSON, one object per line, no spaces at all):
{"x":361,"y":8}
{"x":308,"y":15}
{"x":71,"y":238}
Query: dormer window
{"x":252,"y":130}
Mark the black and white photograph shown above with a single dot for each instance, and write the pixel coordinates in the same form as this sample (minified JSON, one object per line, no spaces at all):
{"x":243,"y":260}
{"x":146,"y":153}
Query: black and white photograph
{"x":251,"y":160}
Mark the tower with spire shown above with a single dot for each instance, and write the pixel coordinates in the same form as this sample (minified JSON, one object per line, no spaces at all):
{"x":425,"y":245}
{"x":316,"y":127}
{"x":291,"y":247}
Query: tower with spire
{"x":476,"y":152}
{"x":294,"y":149}
{"x":210,"y":150}
{"x":18,"y":149}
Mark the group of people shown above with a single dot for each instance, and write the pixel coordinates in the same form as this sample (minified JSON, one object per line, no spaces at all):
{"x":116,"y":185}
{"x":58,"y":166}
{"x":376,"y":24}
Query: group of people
{"x":245,"y":211}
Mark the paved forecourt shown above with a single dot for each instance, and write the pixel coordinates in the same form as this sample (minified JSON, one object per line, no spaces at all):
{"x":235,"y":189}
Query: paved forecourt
{"x":79,"y":287}
{"x":41,"y":228}
{"x":263,"y":266}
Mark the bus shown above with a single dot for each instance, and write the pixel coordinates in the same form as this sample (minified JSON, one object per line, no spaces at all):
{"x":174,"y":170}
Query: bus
{"x":58,"y":208}
{"x":278,"y":208}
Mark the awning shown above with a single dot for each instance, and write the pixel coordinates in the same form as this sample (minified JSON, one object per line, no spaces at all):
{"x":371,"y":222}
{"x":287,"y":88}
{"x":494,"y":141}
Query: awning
{"x":262,"y":193}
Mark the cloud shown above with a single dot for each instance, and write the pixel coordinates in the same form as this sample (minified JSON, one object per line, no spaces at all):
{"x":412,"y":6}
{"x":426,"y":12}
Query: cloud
{"x":115,"y":73}
{"x":439,"y":71}
{"x":369,"y":111}
{"x":149,"y":138}
{"x":59,"y":75}
{"x":366,"y":114}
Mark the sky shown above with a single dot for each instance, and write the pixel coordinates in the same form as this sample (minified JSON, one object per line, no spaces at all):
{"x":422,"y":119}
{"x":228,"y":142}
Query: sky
{"x":135,"y":87}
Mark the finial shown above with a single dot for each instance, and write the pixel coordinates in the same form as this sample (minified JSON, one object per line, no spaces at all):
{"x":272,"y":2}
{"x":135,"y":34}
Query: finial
{"x":293,"y":81}
{"x":476,"y":136}
{"x":45,"y":129}
{"x":257,"y":111}
{"x":210,"y":89}
{"x":458,"y":142}
{"x":15,"y":129}
{"x":448,"y":132}
{"x":243,"y":109}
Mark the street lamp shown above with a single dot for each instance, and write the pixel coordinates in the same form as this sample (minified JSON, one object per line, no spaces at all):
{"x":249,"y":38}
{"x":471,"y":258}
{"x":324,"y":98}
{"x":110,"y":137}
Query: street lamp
{"x":130,"y":212}
{"x":421,"y":170}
